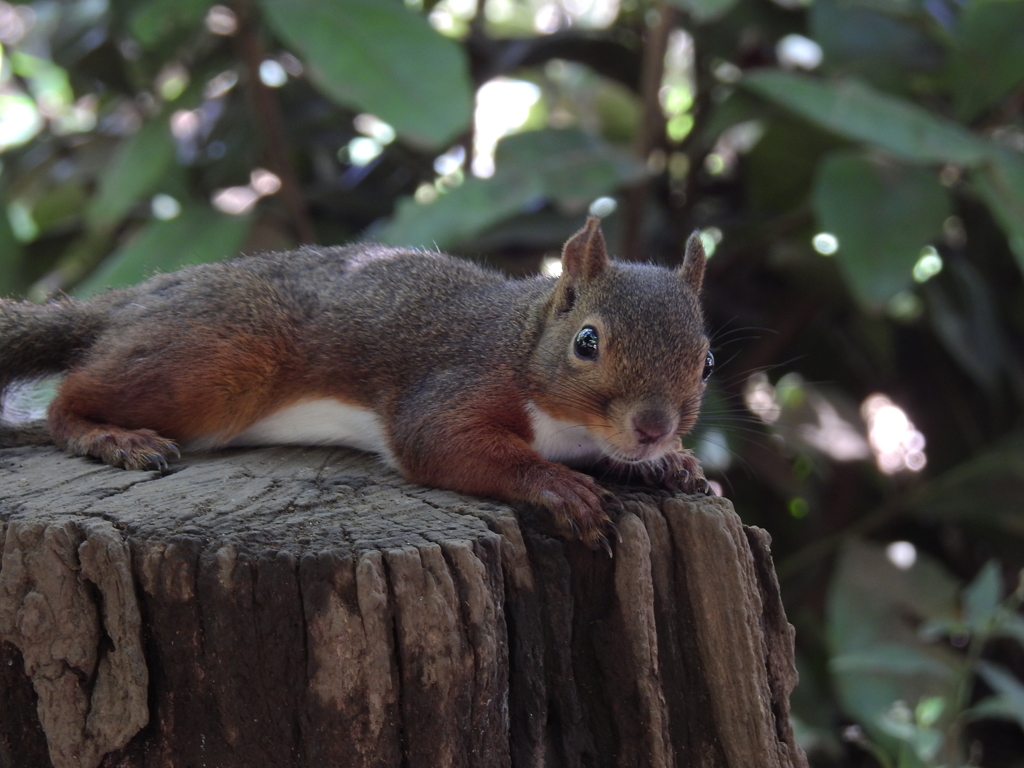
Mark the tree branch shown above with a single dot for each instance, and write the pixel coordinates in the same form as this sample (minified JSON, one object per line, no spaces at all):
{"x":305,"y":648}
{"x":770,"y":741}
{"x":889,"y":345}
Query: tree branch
{"x":652,"y":126}
{"x":267,"y":111}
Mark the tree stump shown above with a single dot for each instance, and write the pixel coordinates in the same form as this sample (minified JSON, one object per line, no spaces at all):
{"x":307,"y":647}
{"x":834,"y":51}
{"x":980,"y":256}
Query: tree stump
{"x":308,"y":607}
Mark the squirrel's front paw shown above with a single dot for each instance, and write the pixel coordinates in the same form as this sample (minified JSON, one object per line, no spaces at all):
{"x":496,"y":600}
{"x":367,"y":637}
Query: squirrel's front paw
{"x":581,"y":506}
{"x":678,"y":471}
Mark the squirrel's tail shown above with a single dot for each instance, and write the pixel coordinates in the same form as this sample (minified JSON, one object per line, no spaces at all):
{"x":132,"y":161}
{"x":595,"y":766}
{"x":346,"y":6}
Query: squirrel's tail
{"x":41,"y":339}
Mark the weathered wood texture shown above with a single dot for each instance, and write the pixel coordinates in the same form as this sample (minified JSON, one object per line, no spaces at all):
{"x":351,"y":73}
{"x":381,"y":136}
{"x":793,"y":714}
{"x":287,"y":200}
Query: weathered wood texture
{"x":289,"y":607}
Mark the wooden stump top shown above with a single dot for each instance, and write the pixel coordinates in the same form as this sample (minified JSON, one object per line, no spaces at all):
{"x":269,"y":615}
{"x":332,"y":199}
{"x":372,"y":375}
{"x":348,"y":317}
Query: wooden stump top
{"x":309,"y":607}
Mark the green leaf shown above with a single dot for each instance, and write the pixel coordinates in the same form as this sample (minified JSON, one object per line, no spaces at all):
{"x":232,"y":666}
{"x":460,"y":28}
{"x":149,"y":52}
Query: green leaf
{"x":702,"y":11}
{"x":858,"y":112}
{"x":1001,"y":184}
{"x":1008,"y":703}
{"x":981,"y":597}
{"x":883,"y":214}
{"x":381,"y":58}
{"x":873,"y":612}
{"x":987,"y":60}
{"x":459,"y":214}
{"x":883,"y":42}
{"x":901,"y":723}
{"x":782,"y":165}
{"x":963,"y":313}
{"x":1011,"y":625}
{"x":893,"y":660}
{"x":929,"y":710}
{"x":574,"y":166}
{"x":569,"y":167}
{"x":199,"y":234}
{"x":135,"y":170}
{"x":153,"y":21}
{"x":998,"y":707}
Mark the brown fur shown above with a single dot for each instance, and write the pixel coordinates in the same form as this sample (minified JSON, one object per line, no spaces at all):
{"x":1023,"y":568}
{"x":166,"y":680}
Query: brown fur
{"x":449,"y":356}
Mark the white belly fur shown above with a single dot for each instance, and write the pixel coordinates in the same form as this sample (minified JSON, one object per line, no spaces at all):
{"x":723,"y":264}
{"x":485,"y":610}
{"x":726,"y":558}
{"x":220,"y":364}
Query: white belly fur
{"x":320,"y":422}
{"x":562,"y":441}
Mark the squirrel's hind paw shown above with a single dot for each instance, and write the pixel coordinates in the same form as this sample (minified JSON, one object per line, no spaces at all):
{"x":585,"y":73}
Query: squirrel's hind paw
{"x":127,"y":448}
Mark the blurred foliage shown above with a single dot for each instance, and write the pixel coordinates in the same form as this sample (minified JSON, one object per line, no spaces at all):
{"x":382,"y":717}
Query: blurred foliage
{"x":856,"y":167}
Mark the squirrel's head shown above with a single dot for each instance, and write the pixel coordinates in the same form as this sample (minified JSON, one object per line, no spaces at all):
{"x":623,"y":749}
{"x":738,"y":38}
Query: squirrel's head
{"x":623,"y":349}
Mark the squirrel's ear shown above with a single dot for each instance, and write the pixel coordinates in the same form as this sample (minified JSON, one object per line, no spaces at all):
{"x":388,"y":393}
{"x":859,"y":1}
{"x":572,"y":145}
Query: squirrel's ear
{"x":692,"y":269}
{"x":584,"y":256}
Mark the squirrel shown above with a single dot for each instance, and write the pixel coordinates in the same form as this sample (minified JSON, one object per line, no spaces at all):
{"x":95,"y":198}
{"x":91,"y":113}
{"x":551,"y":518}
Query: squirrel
{"x":455,"y":375}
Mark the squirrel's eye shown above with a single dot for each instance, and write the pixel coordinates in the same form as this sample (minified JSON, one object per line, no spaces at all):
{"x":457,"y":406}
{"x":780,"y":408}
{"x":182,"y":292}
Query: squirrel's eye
{"x":709,"y":366}
{"x":585,"y":344}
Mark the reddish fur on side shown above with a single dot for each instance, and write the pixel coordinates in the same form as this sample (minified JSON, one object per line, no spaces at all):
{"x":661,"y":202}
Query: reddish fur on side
{"x":211,"y":389}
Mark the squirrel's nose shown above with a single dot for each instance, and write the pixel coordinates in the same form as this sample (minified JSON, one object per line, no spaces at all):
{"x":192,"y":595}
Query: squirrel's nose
{"x":650,"y":427}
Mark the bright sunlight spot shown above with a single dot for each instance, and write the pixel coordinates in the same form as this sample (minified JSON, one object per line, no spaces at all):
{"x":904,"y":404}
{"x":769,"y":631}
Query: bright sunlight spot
{"x":221,"y":20}
{"x":897,"y":445}
{"x":928,"y":265}
{"x":220,"y":85}
{"x":165,"y":207}
{"x":272,"y":74}
{"x":502,"y":106}
{"x":239,"y":200}
{"x":19,"y":120}
{"x":450,"y":161}
{"x":603,"y":206}
{"x":798,"y":52}
{"x":185,"y":124}
{"x":902,"y":554}
{"x":759,"y":396}
{"x":235,"y":200}
{"x":452,"y":17}
{"x":264,"y":182}
{"x":374,"y":127}
{"x":825,"y":243}
{"x":710,"y":238}
{"x":362,"y":150}
{"x":551,"y":266}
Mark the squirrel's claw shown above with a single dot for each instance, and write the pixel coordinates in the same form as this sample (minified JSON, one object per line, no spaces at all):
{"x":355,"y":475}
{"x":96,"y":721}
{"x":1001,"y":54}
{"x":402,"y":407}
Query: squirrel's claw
{"x":614,"y":529}
{"x":158,"y":462}
{"x":603,"y":541}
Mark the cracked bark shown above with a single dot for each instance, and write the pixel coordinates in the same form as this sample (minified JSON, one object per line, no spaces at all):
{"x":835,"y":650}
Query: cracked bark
{"x":307,"y":607}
